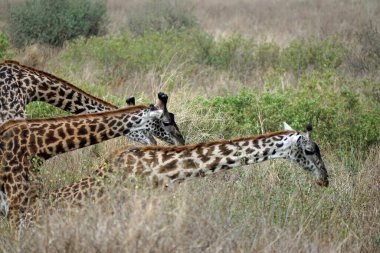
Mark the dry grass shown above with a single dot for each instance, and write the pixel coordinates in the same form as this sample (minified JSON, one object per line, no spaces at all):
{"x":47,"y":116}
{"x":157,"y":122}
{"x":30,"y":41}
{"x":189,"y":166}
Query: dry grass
{"x":277,"y":20}
{"x":238,"y":211}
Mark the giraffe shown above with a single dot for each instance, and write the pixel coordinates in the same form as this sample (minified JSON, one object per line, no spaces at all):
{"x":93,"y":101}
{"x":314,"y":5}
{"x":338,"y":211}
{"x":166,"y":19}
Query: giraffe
{"x":169,"y":165}
{"x":20,"y":85}
{"x":153,"y":126}
{"x":45,"y":138}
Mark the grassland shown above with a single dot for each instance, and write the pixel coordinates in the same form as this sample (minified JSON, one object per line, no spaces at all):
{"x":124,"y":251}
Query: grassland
{"x":242,"y":68}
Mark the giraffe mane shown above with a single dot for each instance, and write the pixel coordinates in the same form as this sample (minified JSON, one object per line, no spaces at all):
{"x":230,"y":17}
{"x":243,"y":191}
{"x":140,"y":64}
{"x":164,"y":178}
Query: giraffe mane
{"x":208,"y":144}
{"x":14,"y":122}
{"x":50,"y":76}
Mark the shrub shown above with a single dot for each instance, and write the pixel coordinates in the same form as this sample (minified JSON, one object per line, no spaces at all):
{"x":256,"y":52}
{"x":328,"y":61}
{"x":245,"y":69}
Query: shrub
{"x":234,"y":53}
{"x":53,"y":22}
{"x":125,"y":54}
{"x":268,"y":55}
{"x":312,"y":54}
{"x":4,"y":45}
{"x":341,"y":119}
{"x":161,"y":15}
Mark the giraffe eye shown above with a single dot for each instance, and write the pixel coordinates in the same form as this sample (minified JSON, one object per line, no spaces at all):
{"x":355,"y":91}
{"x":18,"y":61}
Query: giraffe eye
{"x":309,"y":152}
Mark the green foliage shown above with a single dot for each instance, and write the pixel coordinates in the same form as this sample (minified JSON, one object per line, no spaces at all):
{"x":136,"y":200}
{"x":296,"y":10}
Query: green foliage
{"x":340,"y":119}
{"x":125,"y":54}
{"x":313,"y":53}
{"x":233,"y":53}
{"x":4,"y":45}
{"x":193,"y":48}
{"x":44,"y":110}
{"x":173,"y":47}
{"x":53,"y":22}
{"x":268,"y":55}
{"x":238,"y":54}
{"x":161,"y":15}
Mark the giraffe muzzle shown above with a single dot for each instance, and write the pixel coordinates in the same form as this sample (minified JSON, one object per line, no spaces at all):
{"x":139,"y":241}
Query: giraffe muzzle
{"x":323,"y":183}
{"x":324,"y":180}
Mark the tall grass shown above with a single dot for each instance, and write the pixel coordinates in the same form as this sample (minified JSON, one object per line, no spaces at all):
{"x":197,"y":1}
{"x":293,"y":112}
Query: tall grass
{"x":263,"y":208}
{"x":221,"y":87}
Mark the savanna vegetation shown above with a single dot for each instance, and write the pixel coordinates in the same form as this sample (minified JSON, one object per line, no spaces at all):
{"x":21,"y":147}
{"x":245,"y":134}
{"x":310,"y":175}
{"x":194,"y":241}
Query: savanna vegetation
{"x":231,"y":68}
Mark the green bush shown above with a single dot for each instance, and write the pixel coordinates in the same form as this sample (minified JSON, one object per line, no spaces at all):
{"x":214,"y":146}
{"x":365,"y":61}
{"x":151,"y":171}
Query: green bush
{"x":4,"y":45}
{"x":341,"y":119}
{"x":125,"y":54}
{"x":157,"y":50}
{"x":161,"y":15}
{"x":313,"y":53}
{"x":191,"y":48}
{"x":235,"y":54}
{"x":53,"y":22}
{"x":268,"y":55}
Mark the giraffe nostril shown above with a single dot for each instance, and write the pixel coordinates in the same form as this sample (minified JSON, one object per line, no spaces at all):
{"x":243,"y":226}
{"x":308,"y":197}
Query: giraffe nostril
{"x":324,"y":183}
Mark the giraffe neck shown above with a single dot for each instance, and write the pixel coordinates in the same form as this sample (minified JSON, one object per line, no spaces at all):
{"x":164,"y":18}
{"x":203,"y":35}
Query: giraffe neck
{"x":41,"y":86}
{"x":170,"y":164}
{"x":46,"y":138}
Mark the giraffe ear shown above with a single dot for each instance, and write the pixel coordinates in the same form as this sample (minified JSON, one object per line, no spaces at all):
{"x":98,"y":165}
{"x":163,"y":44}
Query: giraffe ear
{"x":287,"y":127}
{"x":131,"y":101}
{"x":162,"y":100}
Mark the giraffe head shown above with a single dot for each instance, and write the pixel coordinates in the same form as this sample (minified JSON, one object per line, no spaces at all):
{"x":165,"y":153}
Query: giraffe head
{"x":305,"y":152}
{"x":165,"y":129}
